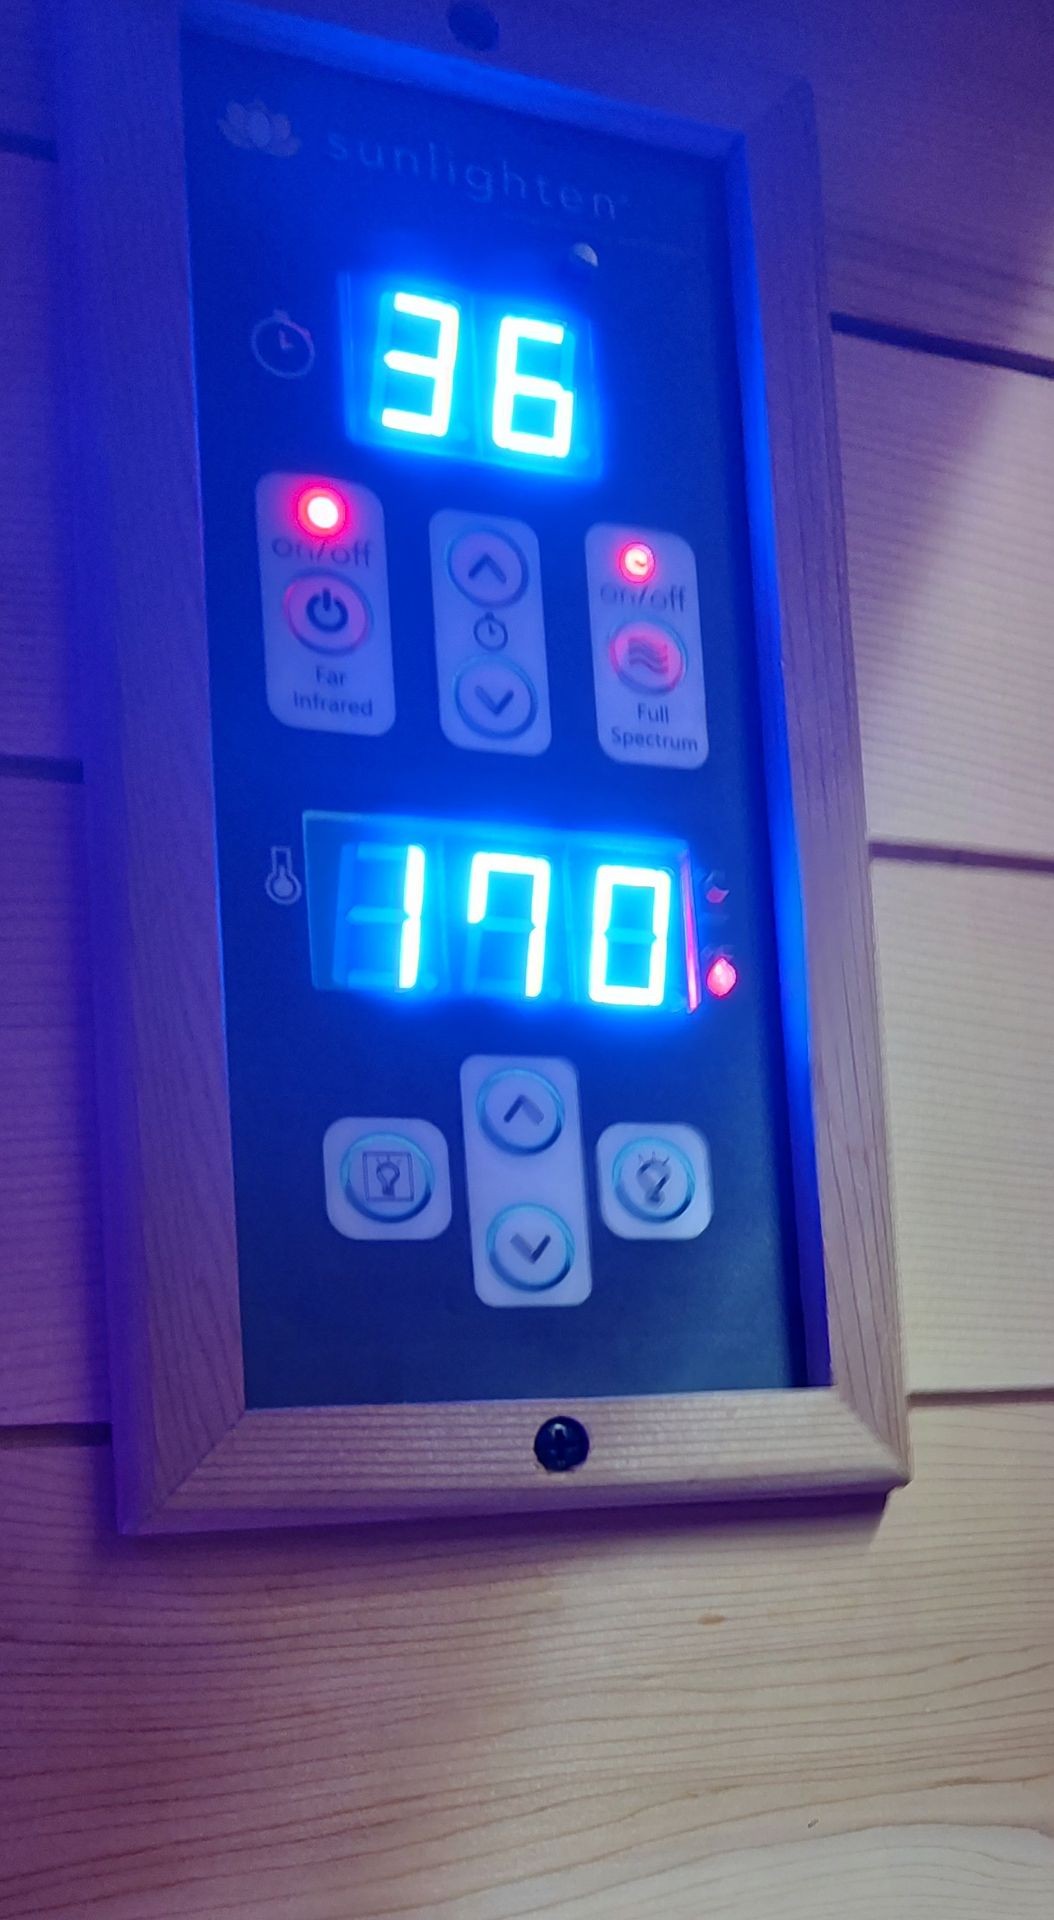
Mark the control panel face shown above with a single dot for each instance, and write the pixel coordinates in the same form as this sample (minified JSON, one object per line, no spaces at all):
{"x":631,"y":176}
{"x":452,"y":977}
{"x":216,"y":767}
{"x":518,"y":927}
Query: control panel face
{"x":502,"y":996}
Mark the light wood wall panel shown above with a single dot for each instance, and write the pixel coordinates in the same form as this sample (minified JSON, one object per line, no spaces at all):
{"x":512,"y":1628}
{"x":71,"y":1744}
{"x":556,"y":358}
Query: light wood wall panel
{"x":52,"y":1362}
{"x":934,"y":121}
{"x":948,"y":472}
{"x":26,"y":93}
{"x":965,"y":961}
{"x":599,"y":1720}
{"x":36,"y":679}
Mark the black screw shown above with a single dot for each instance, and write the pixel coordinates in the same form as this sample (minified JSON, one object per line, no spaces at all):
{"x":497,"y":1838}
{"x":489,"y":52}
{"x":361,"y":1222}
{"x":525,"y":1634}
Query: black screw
{"x":473,"y":25}
{"x":561,"y":1444}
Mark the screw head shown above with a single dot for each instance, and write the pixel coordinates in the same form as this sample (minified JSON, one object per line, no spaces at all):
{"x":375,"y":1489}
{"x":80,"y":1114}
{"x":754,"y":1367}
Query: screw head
{"x":561,"y":1444}
{"x":474,"y":25}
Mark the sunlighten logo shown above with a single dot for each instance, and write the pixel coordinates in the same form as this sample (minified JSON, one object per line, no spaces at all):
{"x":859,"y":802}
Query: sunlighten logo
{"x":487,"y":185}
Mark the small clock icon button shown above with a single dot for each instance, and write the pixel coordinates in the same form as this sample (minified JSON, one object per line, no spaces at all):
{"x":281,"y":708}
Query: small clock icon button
{"x":327,"y":613}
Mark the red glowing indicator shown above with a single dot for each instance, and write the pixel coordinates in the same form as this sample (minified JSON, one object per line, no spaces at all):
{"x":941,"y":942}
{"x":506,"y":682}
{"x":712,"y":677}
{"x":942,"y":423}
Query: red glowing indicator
{"x":636,"y":561}
{"x":721,"y":976}
{"x":322,"y":510}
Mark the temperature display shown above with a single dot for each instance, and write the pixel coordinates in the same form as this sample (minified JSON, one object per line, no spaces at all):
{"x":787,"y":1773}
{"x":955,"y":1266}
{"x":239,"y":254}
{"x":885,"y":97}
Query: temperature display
{"x":469,"y":375}
{"x":411,"y":906}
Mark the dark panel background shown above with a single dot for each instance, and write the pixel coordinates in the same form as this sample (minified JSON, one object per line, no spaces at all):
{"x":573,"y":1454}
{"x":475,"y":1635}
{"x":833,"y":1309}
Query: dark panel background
{"x":328,"y":1320}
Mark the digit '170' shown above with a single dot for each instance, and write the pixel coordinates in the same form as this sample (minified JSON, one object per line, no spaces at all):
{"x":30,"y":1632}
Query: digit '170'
{"x":407,"y":920}
{"x":460,"y":374}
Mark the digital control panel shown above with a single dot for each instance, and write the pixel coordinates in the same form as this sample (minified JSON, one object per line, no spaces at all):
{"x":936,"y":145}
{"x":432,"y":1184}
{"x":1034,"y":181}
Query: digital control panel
{"x":502,"y":992}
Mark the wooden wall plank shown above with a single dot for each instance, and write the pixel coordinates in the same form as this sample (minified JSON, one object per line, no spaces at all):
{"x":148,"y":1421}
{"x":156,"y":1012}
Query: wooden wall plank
{"x":36,"y":677}
{"x":586,"y":1721}
{"x":948,"y":470}
{"x":964,"y":967}
{"x":52,"y":1360}
{"x":26,"y":101}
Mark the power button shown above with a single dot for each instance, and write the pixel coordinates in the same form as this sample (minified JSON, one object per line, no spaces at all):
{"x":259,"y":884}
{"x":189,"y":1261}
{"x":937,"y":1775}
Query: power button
{"x":327,"y":612}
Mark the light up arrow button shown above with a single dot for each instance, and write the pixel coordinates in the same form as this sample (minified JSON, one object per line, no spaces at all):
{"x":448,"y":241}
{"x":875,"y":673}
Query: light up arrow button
{"x":520,"y":1111}
{"x":327,"y":612}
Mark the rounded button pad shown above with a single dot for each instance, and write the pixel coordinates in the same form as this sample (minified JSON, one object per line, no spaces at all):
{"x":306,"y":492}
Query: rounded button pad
{"x":386,"y":1179}
{"x":489,"y":633}
{"x":653,"y":1179}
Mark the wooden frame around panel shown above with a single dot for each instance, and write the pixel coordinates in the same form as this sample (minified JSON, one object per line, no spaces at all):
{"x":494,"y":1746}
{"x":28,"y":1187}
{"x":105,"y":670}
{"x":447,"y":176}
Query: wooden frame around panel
{"x":188,"y":1453}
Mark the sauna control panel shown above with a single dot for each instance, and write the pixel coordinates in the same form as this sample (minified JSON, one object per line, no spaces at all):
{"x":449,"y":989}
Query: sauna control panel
{"x":504,"y":1018}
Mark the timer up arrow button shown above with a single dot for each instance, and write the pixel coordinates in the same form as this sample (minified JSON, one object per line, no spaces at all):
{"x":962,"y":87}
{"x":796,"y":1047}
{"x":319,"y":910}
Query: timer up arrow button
{"x":487,"y":567}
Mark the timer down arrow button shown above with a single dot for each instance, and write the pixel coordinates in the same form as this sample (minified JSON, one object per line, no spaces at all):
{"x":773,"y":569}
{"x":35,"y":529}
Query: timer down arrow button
{"x":495,"y":698}
{"x":496,"y":707}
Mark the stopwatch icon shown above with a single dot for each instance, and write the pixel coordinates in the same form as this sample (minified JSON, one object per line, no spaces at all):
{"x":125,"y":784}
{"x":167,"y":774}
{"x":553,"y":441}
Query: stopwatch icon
{"x":282,"y":347}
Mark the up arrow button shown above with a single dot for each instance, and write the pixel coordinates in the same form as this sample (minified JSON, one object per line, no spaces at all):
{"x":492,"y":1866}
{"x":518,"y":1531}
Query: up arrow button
{"x":487,"y":567}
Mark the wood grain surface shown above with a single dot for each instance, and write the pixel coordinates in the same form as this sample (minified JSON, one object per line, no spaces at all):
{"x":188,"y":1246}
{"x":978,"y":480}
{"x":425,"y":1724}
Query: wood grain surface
{"x":948,"y":473}
{"x":965,"y":966}
{"x":52,"y":1359}
{"x":170,"y":1252}
{"x":37,"y":697}
{"x":604,"y":1716}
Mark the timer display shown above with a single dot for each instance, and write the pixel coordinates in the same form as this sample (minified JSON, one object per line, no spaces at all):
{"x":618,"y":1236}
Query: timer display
{"x":411,"y":906}
{"x":469,"y":375}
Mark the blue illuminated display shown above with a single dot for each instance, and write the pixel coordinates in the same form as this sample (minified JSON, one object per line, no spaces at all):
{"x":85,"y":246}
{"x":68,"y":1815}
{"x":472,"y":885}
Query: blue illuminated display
{"x":441,"y":908}
{"x":469,"y":375}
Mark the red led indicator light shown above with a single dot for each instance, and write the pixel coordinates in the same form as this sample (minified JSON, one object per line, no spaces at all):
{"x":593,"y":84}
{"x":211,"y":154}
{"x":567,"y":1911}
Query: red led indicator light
{"x":636,"y":561}
{"x":721,"y":976}
{"x":322,"y":510}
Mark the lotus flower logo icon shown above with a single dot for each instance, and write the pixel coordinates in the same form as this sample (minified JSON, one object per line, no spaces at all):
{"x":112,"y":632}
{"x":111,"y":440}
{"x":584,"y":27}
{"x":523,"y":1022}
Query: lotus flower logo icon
{"x":258,"y":129}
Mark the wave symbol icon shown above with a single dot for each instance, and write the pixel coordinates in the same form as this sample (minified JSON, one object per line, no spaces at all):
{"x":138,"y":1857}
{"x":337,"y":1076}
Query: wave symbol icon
{"x":647,"y":658}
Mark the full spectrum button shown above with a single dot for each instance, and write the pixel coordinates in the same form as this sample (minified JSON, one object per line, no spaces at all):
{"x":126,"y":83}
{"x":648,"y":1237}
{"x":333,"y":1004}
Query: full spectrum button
{"x":327,"y":612}
{"x":648,"y":657}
